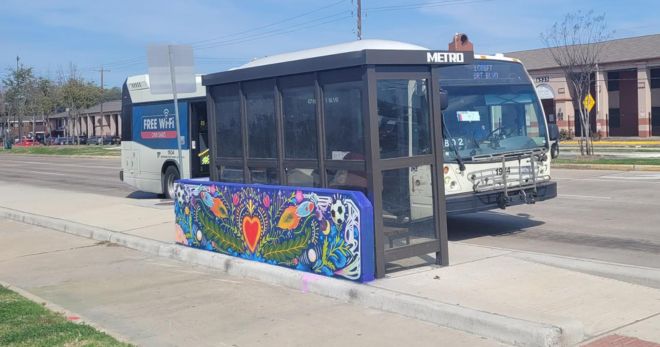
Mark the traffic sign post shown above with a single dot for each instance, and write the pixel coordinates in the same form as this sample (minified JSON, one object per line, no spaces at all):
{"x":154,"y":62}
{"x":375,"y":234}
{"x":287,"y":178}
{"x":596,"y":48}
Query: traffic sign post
{"x":588,"y":102}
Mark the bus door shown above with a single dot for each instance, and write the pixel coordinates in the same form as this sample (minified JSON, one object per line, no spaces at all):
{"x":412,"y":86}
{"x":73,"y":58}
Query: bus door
{"x":199,"y":135}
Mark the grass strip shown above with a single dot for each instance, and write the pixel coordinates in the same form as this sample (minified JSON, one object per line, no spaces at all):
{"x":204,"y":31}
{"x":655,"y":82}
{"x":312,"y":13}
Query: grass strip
{"x":614,"y":161}
{"x":91,"y":150}
{"x":26,"y":323}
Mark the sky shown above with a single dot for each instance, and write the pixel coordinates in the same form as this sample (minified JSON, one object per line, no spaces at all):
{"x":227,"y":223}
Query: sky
{"x":51,"y":36}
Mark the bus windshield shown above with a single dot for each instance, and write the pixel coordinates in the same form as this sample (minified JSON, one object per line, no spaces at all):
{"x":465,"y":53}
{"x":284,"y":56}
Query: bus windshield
{"x":493,"y":109}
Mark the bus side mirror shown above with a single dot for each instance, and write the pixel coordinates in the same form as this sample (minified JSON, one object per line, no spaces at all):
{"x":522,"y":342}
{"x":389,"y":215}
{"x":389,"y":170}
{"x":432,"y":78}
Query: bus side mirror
{"x":552,"y":118}
{"x":553,"y":132}
{"x":444,"y":99}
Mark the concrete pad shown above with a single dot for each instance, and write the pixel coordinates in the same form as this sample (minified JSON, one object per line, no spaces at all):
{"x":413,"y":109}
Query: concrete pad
{"x":461,"y":253}
{"x":519,"y":288}
{"x":154,"y":301}
{"x":647,"y":329}
{"x":18,"y":245}
{"x":107,"y":212}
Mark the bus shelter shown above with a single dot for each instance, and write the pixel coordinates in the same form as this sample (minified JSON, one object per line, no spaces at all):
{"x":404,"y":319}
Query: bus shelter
{"x":362,"y":116}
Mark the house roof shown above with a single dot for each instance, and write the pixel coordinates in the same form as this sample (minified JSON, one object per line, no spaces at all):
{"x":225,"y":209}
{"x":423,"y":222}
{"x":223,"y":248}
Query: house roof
{"x":113,"y":106}
{"x":626,"y":49}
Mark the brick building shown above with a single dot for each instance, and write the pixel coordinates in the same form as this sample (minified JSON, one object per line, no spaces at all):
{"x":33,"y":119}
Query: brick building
{"x":90,"y":122}
{"x":626,"y":88}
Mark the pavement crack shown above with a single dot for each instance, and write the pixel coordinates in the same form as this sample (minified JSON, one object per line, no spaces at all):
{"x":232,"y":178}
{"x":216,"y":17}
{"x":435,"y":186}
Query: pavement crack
{"x":622,"y":326}
{"x":52,"y":251}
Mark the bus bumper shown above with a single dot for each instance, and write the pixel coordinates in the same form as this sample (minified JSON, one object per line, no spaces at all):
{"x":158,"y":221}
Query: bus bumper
{"x":475,"y":202}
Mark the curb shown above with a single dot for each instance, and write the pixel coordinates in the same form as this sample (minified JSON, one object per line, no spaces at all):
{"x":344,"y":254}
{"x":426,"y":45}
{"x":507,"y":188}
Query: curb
{"x":622,"y":167}
{"x":509,"y":330}
{"x":63,"y":311}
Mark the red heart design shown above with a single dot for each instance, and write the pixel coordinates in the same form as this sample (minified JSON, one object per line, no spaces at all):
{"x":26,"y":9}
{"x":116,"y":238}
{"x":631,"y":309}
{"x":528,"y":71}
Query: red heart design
{"x":251,"y":231}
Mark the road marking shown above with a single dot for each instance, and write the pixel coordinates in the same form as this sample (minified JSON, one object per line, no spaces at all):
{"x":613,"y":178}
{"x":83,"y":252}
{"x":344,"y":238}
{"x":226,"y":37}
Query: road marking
{"x":47,"y":173}
{"x":586,"y":197}
{"x":70,"y":165}
{"x":646,"y":177}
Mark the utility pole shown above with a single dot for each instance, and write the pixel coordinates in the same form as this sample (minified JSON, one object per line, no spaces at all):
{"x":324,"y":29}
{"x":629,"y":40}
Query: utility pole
{"x":18,"y":102}
{"x":101,"y":70}
{"x":359,"y":19}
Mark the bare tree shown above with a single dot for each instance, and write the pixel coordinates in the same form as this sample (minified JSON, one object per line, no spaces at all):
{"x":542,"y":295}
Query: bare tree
{"x":77,"y":94}
{"x":576,"y":45}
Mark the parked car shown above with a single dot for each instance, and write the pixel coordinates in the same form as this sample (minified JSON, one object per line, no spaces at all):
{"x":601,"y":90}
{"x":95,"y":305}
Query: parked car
{"x":27,"y":143}
{"x":101,"y":140}
{"x":63,"y":140}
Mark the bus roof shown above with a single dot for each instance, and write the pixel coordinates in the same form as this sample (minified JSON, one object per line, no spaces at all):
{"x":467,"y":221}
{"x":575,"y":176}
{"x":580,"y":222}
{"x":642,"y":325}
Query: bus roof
{"x":140,"y":91}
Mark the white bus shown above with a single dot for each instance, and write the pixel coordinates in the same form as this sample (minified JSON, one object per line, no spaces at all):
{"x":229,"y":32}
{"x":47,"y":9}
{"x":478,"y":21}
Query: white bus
{"x":149,"y":155}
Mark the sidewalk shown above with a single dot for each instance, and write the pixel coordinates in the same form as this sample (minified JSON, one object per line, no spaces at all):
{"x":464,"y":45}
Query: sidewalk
{"x":151,"y":301}
{"x":500,"y":289}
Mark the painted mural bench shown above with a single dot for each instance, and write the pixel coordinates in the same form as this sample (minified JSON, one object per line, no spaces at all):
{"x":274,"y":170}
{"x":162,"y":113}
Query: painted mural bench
{"x":323,"y":231}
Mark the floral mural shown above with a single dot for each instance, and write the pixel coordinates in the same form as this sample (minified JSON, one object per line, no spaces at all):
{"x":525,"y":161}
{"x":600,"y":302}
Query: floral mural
{"x":328,"y":232}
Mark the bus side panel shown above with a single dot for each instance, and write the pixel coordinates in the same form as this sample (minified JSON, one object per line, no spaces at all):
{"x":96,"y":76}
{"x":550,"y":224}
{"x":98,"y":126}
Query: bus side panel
{"x":154,"y":136}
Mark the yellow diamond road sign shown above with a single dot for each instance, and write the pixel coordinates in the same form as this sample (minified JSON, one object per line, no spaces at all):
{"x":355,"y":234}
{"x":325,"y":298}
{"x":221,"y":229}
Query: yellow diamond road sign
{"x":589,"y":102}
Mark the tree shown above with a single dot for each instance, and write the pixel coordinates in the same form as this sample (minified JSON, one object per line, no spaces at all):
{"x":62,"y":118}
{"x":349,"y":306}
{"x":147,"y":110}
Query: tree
{"x":111,"y":94}
{"x":18,"y":85}
{"x":45,"y":99}
{"x":576,"y":46}
{"x":77,"y":94}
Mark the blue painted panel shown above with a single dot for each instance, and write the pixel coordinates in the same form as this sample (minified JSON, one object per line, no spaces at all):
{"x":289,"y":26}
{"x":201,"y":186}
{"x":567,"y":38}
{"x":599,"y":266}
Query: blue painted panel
{"x":154,"y":125}
{"x":323,"y":231}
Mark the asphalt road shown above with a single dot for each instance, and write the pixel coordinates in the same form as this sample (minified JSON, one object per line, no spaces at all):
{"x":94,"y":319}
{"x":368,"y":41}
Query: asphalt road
{"x":611,"y":216}
{"x":89,"y":175}
{"x":604,"y":215}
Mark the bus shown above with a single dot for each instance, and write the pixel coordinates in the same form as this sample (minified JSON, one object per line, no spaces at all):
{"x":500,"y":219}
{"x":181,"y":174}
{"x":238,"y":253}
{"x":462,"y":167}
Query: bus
{"x":308,"y":124}
{"x":149,"y":153}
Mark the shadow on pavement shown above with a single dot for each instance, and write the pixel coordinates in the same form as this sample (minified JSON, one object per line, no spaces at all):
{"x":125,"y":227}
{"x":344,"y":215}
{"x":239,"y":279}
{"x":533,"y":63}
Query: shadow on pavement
{"x":490,"y":223}
{"x":140,"y":195}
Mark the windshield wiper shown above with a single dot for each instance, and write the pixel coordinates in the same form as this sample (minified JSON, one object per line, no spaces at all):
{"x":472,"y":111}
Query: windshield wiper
{"x":461,"y":165}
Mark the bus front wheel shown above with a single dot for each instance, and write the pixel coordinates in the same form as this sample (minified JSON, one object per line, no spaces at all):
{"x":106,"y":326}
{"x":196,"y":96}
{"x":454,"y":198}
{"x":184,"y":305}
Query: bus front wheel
{"x":170,"y":175}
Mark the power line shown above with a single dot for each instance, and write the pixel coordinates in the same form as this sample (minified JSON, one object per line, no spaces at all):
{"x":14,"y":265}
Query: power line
{"x":268,"y":25}
{"x":413,"y":6}
{"x":300,"y":26}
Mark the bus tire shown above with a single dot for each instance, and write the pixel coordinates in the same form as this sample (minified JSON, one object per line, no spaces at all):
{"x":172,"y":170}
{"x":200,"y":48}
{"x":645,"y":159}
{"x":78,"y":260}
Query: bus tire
{"x":554,"y":150}
{"x":170,"y":175}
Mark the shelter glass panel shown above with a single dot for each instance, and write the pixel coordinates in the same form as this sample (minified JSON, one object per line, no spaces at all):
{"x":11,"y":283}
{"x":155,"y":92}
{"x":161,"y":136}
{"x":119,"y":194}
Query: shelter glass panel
{"x":344,"y":128}
{"x":408,"y":206}
{"x":300,"y":133}
{"x":347,"y":179}
{"x":264,"y":175}
{"x":260,"y":109}
{"x":229,"y":173}
{"x":303,"y":177}
{"x":403,"y":112}
{"x":228,"y":121}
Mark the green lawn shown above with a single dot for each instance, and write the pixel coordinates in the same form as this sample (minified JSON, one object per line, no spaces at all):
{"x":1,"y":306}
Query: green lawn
{"x":65,"y":150}
{"x":623,"y":161}
{"x":26,"y":323}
